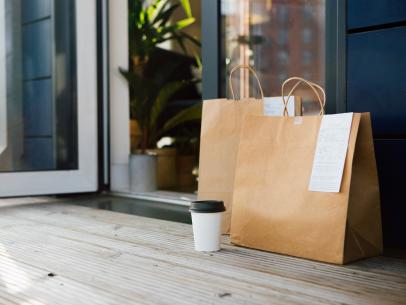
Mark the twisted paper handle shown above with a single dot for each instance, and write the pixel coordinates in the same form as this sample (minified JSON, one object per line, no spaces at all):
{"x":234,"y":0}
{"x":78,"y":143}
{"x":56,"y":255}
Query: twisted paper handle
{"x":253,"y":73}
{"x":312,"y":85}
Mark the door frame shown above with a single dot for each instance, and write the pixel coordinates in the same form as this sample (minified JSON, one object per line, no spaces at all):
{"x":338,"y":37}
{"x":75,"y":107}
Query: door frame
{"x":119,"y":96}
{"x":3,"y":86}
{"x":85,"y":178}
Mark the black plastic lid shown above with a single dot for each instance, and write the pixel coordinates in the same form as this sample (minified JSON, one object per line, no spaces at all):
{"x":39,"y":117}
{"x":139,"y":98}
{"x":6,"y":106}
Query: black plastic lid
{"x":207,"y":206}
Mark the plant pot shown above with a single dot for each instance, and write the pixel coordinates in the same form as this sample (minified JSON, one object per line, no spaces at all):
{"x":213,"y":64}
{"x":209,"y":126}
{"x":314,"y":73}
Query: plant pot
{"x":166,"y":167}
{"x":135,"y":135}
{"x":186,"y":179}
{"x":143,"y":168}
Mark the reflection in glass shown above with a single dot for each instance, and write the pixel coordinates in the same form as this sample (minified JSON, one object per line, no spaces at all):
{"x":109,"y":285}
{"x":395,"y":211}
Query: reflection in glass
{"x":279,"y":38}
{"x":38,"y":120}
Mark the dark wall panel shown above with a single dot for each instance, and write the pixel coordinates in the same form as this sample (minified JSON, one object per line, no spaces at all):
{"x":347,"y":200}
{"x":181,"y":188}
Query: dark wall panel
{"x":376,"y":71}
{"x":391,"y":161}
{"x":365,"y":13}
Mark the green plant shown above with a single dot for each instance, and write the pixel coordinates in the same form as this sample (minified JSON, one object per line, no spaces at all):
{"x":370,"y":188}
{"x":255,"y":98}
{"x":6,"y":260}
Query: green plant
{"x":149,"y":25}
{"x":149,"y":100}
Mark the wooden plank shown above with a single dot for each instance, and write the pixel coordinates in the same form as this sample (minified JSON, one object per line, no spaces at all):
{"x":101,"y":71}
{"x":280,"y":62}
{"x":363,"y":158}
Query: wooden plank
{"x":81,"y":215}
{"x":141,"y":259}
{"x":187,"y":283}
{"x":10,"y":202}
{"x":312,"y":265}
{"x":22,"y":283}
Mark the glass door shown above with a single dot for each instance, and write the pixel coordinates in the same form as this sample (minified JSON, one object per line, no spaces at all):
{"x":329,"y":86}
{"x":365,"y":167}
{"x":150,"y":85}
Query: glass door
{"x":48,"y":107}
{"x":280,"y":39}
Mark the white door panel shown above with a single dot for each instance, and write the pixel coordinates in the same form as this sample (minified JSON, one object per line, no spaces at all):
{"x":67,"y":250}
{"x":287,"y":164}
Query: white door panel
{"x":52,"y":125}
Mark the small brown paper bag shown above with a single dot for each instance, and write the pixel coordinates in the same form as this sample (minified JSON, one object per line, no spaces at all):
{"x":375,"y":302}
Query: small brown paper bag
{"x":220,"y":136}
{"x":273,"y":209}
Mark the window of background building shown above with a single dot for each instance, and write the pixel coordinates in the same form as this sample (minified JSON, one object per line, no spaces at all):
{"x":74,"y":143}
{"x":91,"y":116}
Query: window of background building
{"x":283,"y":36}
{"x":307,"y":57}
{"x":307,"y":35}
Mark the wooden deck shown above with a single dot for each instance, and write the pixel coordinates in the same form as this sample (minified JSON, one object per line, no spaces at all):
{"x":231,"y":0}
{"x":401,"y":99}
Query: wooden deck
{"x":55,"y":254}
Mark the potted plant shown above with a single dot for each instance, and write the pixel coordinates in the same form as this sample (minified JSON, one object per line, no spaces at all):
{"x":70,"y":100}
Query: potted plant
{"x":152,"y":86}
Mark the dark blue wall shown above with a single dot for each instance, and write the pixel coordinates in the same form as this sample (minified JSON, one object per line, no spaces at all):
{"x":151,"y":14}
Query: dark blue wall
{"x":367,"y":13}
{"x":376,"y":83}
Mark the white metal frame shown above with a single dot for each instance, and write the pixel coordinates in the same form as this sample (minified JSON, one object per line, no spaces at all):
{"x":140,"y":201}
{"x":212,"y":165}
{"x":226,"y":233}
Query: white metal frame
{"x":3,"y":84}
{"x":84,"y":179}
{"x":119,"y":96}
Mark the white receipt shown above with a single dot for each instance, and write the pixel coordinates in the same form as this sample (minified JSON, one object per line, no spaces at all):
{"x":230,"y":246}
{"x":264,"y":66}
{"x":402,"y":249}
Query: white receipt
{"x":331,"y":150}
{"x":273,"y":106}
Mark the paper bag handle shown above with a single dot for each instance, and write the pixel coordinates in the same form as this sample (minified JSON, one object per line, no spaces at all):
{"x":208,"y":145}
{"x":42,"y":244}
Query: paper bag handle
{"x":312,"y":85}
{"x":250,"y":70}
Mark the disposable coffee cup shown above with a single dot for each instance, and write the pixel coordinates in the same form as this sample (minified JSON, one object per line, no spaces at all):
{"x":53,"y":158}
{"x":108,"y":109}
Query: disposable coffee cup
{"x":206,"y":221}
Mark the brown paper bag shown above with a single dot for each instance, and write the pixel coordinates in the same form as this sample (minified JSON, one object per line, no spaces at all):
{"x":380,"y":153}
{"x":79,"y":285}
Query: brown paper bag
{"x":273,"y":209}
{"x":220,"y":136}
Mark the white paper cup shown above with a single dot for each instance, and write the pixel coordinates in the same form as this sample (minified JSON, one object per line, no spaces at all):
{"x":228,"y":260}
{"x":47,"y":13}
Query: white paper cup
{"x":206,"y":221}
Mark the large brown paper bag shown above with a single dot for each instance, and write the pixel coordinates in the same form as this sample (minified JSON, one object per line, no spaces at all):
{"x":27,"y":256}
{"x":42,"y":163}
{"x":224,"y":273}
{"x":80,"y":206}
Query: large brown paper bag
{"x":219,"y":139}
{"x":273,"y":209}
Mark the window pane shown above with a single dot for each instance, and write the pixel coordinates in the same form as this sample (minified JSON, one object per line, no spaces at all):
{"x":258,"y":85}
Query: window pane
{"x":279,"y":38}
{"x":38,"y":124}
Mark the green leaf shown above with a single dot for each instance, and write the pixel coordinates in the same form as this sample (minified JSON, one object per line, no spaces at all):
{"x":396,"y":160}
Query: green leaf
{"x":186,"y":7}
{"x":152,"y":9}
{"x":164,"y":14}
{"x":198,"y":61}
{"x":181,"y":43}
{"x":167,"y":91}
{"x":181,"y":24}
{"x":143,"y":94}
{"x":191,"y":38}
{"x":177,"y":26}
{"x":189,"y":114}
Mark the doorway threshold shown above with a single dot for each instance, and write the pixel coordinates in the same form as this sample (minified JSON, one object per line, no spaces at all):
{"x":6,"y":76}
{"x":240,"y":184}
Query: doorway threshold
{"x":170,"y":197}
